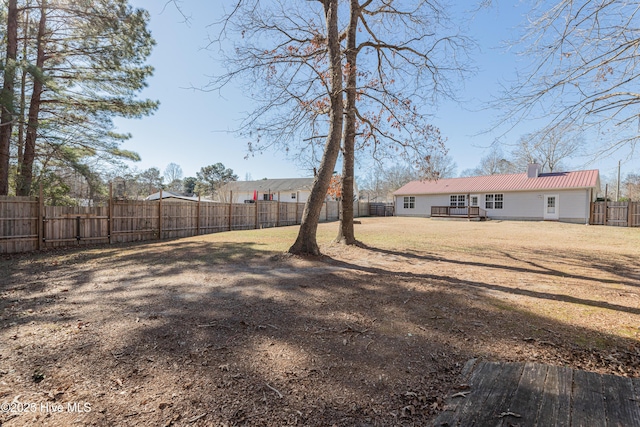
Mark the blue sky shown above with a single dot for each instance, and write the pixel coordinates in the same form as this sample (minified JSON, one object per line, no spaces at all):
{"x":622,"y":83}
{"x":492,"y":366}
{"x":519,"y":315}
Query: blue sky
{"x":192,"y":127}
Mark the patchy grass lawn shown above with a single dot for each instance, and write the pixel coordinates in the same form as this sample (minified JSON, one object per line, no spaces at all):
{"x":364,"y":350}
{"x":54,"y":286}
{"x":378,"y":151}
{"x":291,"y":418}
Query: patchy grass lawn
{"x":225,"y":329}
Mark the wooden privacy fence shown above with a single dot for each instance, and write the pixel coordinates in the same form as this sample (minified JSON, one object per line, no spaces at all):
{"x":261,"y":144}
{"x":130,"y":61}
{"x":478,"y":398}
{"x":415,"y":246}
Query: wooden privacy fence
{"x":619,"y":214}
{"x":381,"y":209}
{"x":27,"y":225}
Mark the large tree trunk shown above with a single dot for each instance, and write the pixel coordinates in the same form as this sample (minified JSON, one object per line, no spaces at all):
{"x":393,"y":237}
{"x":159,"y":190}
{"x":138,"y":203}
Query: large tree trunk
{"x":306,"y":242}
{"x":346,"y":233}
{"x":6,"y":98}
{"x":23,"y":185}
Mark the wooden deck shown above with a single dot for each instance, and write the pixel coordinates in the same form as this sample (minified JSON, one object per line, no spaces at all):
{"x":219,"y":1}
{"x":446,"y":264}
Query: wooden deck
{"x":469,"y":212}
{"x":532,"y":394}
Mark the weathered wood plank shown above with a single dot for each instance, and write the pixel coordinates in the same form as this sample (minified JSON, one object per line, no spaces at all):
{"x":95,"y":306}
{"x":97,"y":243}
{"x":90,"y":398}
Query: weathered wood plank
{"x":460,"y":407}
{"x":587,"y":406}
{"x":467,"y":369}
{"x":617,"y":393}
{"x":457,"y":407}
{"x":449,"y":415}
{"x":636,"y":386}
{"x":556,"y":398}
{"x":542,"y":396}
{"x":496,"y":404}
{"x":525,"y":404}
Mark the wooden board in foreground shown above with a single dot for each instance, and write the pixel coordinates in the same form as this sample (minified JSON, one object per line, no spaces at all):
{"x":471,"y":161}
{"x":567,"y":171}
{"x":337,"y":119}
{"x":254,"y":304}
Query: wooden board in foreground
{"x":533,"y":394}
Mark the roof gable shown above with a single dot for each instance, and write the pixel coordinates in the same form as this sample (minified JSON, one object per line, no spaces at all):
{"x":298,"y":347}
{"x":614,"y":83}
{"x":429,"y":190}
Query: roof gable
{"x":510,"y":182}
{"x":173,"y":195}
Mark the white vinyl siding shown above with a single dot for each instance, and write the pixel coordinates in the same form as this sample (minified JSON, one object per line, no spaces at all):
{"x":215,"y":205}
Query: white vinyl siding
{"x":574,"y":205}
{"x":299,"y":196}
{"x":422,"y":205}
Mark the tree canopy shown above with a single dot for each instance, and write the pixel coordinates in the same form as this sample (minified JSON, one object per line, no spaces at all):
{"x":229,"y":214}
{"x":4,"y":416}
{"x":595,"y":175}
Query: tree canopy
{"x":211,"y":178}
{"x":80,"y":65}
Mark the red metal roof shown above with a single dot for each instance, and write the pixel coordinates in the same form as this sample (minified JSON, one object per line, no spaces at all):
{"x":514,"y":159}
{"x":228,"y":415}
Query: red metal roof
{"x":511,"y":182}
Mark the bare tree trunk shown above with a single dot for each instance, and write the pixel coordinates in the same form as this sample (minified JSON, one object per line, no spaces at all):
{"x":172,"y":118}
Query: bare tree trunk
{"x":23,"y":185}
{"x":6,"y":98}
{"x":346,"y":233}
{"x":306,"y":242}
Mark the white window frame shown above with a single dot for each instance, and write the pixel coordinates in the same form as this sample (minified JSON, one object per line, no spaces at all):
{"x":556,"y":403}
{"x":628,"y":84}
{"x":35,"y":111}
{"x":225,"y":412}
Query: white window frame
{"x":488,"y":201}
{"x":494,"y":201}
{"x":409,"y":202}
{"x":457,"y":200}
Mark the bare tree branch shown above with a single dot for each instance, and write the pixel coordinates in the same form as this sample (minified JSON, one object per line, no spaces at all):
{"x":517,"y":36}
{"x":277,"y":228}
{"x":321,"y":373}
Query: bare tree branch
{"x":584,"y":71}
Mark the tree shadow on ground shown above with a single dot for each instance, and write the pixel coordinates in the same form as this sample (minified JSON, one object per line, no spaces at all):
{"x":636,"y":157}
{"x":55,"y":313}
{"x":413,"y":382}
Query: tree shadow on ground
{"x":622,"y":271}
{"x":236,"y":336}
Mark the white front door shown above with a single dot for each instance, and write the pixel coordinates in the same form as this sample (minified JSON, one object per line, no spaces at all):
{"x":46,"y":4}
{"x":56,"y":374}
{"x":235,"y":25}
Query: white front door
{"x":551,"y":210}
{"x":473,"y":200}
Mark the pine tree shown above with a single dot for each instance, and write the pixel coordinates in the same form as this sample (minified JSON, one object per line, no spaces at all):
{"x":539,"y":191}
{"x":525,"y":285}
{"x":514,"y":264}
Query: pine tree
{"x":85,"y":65}
{"x":7,"y":94}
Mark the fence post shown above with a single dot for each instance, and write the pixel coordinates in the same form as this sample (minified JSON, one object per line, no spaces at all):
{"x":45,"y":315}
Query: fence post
{"x":110,"y":212}
{"x":160,"y":217}
{"x":278,"y":211}
{"x":230,"y":209}
{"x":256,"y":214}
{"x":297,"y":205}
{"x":629,"y":213}
{"x":198,"y":217}
{"x":78,"y":228}
{"x":40,"y":225}
{"x":606,"y":194}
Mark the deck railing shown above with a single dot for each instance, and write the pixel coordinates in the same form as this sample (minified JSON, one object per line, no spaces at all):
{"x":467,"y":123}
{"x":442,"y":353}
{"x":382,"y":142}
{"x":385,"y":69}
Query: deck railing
{"x":458,"y":211}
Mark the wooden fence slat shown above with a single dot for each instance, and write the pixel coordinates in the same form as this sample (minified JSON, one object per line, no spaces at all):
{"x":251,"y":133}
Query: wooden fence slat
{"x":40,"y":223}
{"x":110,"y":214}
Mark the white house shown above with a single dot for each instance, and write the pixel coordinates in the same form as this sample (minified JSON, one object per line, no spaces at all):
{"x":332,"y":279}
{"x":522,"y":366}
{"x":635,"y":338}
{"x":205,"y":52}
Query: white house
{"x":172,"y":195}
{"x":290,"y":190}
{"x":557,"y":196}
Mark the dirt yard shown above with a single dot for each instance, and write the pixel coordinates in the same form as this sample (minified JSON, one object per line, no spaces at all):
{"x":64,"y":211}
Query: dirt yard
{"x":226,"y":330}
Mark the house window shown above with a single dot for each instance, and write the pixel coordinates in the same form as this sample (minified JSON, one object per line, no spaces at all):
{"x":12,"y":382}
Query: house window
{"x":494,"y":201}
{"x":293,"y":195}
{"x":409,"y":202}
{"x":488,"y":201}
{"x":457,"y":201}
